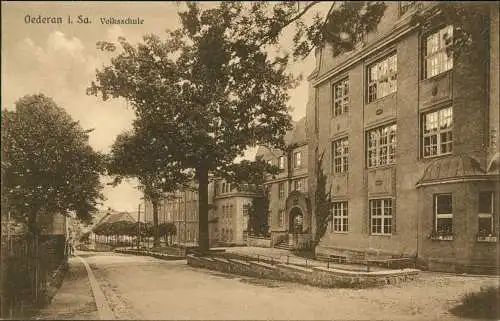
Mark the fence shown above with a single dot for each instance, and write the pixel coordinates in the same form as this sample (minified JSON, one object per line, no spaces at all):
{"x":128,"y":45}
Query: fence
{"x":26,"y":267}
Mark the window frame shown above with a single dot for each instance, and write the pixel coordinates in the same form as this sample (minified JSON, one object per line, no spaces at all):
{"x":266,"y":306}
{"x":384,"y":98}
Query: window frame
{"x":487,"y":215}
{"x":409,"y":5}
{"x":343,"y":156}
{"x":281,"y":162}
{"x":281,"y":217}
{"x":438,"y":133}
{"x":382,"y":217}
{"x":342,"y":101}
{"x":281,"y":191}
{"x":297,"y":159}
{"x":340,"y":214}
{"x":426,"y":55}
{"x":390,"y":146}
{"x":373,"y":95}
{"x":438,"y":216}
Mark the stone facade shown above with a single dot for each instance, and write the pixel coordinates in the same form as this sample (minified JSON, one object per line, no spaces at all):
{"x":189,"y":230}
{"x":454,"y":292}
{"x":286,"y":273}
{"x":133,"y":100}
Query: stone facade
{"x":294,"y":165}
{"x":228,"y":217}
{"x":387,"y":204}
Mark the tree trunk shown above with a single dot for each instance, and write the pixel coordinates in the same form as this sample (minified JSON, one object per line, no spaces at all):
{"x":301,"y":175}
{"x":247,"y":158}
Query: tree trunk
{"x":203,"y":237}
{"x":156,"y":231}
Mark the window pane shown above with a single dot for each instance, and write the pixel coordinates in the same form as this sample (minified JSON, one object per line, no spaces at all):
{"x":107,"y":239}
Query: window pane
{"x":444,"y":225}
{"x":485,"y":225}
{"x":444,"y":204}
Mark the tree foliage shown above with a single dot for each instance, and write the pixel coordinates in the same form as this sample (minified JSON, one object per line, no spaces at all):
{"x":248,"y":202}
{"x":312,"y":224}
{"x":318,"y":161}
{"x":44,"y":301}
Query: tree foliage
{"x":150,"y":159}
{"x":258,"y":216}
{"x":323,"y":201}
{"x":209,"y":87}
{"x":48,"y":165}
{"x":345,"y":24}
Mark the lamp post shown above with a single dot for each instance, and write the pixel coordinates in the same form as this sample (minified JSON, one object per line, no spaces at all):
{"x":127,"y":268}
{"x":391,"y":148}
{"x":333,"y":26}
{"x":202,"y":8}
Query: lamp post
{"x":139,"y":226}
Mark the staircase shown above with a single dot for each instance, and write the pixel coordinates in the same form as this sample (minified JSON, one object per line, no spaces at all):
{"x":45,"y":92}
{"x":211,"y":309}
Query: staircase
{"x":283,"y":244}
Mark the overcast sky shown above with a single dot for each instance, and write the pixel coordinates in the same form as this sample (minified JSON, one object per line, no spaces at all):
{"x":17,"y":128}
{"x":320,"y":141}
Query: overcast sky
{"x":59,"y":60}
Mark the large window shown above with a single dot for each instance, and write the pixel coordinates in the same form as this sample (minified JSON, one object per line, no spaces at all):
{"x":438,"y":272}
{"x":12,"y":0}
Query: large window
{"x":485,"y":219}
{"x":340,"y":155}
{"x":297,"y":185}
{"x":281,"y":190}
{"x":381,"y":148}
{"x":381,"y":216}
{"x":438,"y":56}
{"x":443,"y":207}
{"x":282,"y":162}
{"x":340,"y":212}
{"x":437,"y":132}
{"x":281,"y":218}
{"x":405,"y":6}
{"x":340,"y":97}
{"x":297,"y":160}
{"x":382,"y":78}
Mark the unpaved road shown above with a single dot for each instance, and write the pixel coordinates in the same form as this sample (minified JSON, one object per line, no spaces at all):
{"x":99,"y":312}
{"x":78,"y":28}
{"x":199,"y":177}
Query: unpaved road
{"x":138,"y":287}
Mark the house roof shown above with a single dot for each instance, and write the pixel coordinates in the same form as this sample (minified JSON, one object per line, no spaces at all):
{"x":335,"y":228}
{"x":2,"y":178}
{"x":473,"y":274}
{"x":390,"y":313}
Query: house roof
{"x":116,"y":217}
{"x":453,"y":167}
{"x":295,"y":136}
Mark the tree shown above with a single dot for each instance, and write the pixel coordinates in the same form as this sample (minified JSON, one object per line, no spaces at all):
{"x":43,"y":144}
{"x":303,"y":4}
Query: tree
{"x":258,"y":215}
{"x":208,"y":86}
{"x":323,"y":201}
{"x":167,"y":229}
{"x":149,"y":159}
{"x":345,"y":24}
{"x":48,"y":165}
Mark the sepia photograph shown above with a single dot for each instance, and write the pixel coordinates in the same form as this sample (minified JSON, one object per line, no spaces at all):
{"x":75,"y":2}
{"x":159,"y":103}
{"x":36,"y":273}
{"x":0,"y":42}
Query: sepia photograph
{"x":250,"y":160}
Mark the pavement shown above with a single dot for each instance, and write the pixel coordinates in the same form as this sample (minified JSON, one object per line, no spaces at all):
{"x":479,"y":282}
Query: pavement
{"x":145,"y":288}
{"x":286,"y":256}
{"x":74,"y":299}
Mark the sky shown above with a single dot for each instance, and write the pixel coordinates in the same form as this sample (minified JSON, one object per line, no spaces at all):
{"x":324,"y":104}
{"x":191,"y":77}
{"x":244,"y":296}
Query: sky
{"x":59,"y":60}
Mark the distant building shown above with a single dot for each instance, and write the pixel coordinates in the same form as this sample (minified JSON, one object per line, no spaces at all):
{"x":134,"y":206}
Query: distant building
{"x":289,"y":202}
{"x":228,"y":213}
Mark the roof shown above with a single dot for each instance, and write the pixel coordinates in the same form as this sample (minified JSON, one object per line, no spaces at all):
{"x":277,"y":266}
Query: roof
{"x":116,"y":217}
{"x":453,"y":167}
{"x":494,"y":163}
{"x":295,"y":136}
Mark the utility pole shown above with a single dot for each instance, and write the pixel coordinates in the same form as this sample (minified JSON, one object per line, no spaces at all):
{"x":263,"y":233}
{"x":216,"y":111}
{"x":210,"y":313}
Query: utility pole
{"x":185,"y":219}
{"x":139,"y":226}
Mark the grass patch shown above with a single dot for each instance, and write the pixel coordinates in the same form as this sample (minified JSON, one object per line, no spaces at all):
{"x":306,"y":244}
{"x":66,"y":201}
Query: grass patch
{"x":480,"y":305}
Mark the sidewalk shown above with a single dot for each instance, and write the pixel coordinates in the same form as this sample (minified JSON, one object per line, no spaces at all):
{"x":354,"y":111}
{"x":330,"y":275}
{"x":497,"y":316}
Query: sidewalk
{"x":74,"y":299}
{"x":286,"y":256}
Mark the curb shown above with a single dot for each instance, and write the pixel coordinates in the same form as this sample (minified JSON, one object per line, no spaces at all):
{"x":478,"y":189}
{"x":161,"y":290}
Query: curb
{"x":161,"y":256}
{"x":105,"y":313}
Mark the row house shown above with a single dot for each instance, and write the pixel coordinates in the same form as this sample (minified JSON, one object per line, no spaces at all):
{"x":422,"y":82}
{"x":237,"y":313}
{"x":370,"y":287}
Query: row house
{"x":409,"y":134}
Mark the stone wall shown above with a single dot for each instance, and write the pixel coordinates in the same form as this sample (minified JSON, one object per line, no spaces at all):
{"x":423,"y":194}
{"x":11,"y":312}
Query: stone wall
{"x":258,"y":241}
{"x":317,"y":276}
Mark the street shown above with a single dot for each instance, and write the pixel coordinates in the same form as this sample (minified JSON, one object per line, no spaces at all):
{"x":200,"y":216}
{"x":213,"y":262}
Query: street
{"x":138,"y":287}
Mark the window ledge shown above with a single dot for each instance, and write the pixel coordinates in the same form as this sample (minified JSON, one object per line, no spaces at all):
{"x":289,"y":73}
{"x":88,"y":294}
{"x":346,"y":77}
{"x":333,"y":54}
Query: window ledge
{"x":379,"y":100}
{"x":380,"y":234}
{"x":436,"y":77}
{"x":340,"y":232}
{"x":379,"y":167}
{"x":440,"y":237}
{"x":487,"y":238}
{"x":340,"y":173}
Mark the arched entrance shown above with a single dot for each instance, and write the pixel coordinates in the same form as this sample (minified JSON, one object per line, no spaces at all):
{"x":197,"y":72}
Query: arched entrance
{"x":296,"y":221}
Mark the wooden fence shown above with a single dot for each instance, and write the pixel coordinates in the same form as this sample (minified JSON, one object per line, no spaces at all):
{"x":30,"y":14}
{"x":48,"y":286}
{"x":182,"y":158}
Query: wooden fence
{"x":27,"y":265}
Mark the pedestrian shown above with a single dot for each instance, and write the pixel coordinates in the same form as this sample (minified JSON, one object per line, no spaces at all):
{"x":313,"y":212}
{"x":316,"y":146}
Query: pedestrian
{"x":70,"y":247}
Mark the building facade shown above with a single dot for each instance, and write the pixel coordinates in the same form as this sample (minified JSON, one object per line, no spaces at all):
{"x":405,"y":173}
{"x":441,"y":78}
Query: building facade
{"x":228,"y":213}
{"x":410,"y":143}
{"x":290,"y":220}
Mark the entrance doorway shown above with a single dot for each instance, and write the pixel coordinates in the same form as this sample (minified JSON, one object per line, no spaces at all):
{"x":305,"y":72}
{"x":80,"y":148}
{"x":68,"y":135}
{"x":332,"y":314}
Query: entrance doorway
{"x":296,"y":221}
